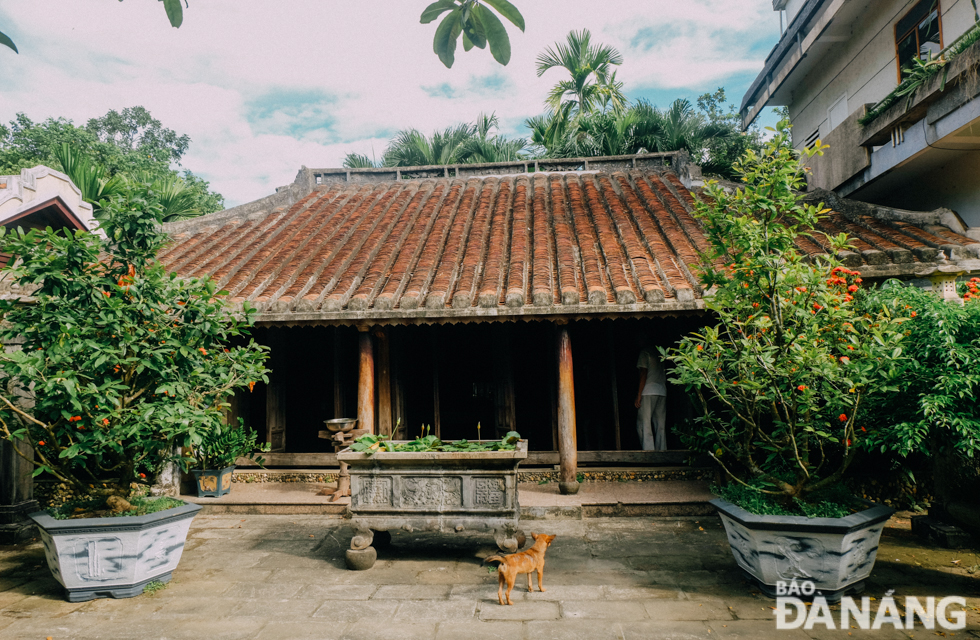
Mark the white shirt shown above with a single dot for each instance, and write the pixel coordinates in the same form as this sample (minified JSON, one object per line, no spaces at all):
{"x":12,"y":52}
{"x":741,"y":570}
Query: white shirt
{"x":656,"y":384}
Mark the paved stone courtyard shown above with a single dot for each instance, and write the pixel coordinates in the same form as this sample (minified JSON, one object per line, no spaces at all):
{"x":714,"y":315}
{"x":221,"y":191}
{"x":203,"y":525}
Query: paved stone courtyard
{"x":283,"y":577}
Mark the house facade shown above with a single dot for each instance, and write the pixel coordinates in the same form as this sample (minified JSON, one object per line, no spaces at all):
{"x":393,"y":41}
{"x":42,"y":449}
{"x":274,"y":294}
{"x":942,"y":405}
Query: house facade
{"x":836,"y":67}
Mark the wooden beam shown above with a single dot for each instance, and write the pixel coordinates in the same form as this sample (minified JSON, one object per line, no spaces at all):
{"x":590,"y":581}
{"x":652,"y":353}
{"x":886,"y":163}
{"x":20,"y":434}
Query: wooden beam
{"x":383,"y":348}
{"x":611,"y":350}
{"x":534,"y":458}
{"x":567,"y":443}
{"x":365,"y":381}
{"x":275,"y":392}
{"x":665,"y":458}
{"x":303,"y":460}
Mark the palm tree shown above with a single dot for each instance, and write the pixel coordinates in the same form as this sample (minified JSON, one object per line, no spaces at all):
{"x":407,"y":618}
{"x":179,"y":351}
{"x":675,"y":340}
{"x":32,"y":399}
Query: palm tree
{"x":592,"y":83}
{"x":460,"y":144}
{"x":91,"y":179}
{"x":681,"y":127}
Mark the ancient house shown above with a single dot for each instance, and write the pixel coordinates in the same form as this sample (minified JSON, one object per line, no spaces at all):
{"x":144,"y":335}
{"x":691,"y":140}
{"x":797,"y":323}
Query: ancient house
{"x":503,"y":295}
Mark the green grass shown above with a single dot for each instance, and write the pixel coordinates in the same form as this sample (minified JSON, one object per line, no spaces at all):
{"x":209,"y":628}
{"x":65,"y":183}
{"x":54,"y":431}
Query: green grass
{"x":154,"y":587}
{"x":832,"y":503}
{"x":141,"y":506}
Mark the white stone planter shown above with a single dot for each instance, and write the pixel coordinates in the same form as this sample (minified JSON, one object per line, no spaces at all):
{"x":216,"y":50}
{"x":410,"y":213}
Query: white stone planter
{"x":835,"y":554}
{"x":114,"y":557}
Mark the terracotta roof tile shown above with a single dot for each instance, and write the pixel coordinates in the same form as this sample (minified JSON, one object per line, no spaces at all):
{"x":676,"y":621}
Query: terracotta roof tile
{"x":553,"y":243}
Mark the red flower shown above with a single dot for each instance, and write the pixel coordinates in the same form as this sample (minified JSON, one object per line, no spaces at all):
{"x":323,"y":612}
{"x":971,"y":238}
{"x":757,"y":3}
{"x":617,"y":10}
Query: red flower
{"x":105,"y":421}
{"x":700,"y":348}
{"x":755,"y":305}
{"x":142,"y":475}
{"x":912,"y":314}
{"x":844,"y":359}
{"x":852,"y":288}
{"x":41,"y":442}
{"x":251,"y":385}
{"x":801,"y":387}
{"x":863,"y":429}
{"x":843,"y":417}
{"x":203,"y":350}
{"x":848,"y":442}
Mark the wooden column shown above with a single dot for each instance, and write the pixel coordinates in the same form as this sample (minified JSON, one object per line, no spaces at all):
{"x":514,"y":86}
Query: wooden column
{"x":275,"y":393}
{"x":436,"y":416}
{"x":338,"y":388}
{"x":505,"y":418}
{"x":399,"y":402}
{"x":615,"y":387}
{"x":567,"y":444}
{"x":383,"y":370}
{"x":16,"y":493}
{"x":365,"y":381}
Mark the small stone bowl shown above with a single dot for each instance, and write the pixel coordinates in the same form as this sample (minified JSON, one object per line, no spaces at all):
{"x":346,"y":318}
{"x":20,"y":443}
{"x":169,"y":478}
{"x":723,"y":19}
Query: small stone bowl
{"x":341,"y":425}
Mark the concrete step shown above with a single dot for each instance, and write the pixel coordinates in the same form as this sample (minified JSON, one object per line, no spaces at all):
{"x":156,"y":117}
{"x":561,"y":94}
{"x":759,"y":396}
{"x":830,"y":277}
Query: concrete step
{"x":539,"y":501}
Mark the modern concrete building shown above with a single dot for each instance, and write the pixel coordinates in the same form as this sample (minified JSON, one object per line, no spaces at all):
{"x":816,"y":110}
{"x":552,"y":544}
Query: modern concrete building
{"x":837,"y":66}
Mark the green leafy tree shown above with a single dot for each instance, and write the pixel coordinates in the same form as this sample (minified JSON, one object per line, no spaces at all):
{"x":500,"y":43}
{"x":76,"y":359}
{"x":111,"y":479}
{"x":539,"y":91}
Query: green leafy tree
{"x":592,"y":82}
{"x":120,"y":361}
{"x":935,"y":412}
{"x":476,"y":23}
{"x":129,"y":144}
{"x":782,"y":375}
{"x":459,"y":144}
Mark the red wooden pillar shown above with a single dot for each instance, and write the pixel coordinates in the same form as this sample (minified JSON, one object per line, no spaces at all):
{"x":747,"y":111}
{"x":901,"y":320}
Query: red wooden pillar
{"x":567,"y":444}
{"x":365,"y":381}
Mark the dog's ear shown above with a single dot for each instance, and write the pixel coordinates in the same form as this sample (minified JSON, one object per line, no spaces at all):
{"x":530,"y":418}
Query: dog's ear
{"x":534,"y":536}
{"x":550,"y":540}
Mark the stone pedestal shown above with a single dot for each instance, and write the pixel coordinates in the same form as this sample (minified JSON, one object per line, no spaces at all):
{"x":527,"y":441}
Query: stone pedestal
{"x":16,"y":495}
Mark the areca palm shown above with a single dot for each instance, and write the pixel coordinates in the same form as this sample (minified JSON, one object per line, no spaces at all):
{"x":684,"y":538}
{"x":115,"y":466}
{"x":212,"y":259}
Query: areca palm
{"x":91,"y":179}
{"x":592,"y":83}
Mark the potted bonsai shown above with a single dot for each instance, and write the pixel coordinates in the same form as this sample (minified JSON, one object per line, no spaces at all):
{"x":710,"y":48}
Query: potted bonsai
{"x":119,"y":364}
{"x":215,"y":457}
{"x":781,"y":376}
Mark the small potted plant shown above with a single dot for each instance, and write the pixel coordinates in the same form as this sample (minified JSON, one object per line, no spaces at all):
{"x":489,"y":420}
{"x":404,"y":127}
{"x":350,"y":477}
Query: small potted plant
{"x":119,"y":364}
{"x":215,"y":457}
{"x":780,"y":378}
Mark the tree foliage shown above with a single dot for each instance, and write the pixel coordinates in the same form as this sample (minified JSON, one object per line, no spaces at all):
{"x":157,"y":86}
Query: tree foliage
{"x":119,"y":360}
{"x":592,"y":82}
{"x":459,"y":144}
{"x":781,"y":377}
{"x":476,"y":23}
{"x":935,"y":411}
{"x":128,"y":144}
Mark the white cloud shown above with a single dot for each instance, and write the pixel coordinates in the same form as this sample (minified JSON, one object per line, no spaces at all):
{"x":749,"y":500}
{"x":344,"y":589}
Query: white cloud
{"x":263,"y":88}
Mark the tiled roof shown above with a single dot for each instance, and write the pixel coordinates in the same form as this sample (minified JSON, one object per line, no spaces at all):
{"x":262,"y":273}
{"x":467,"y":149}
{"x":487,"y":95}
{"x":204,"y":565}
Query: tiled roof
{"x":567,"y":244}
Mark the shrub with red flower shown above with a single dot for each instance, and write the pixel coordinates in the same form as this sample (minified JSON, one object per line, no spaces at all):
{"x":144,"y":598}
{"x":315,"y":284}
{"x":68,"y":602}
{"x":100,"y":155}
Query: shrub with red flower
{"x":784,"y":323}
{"x":107,"y":345}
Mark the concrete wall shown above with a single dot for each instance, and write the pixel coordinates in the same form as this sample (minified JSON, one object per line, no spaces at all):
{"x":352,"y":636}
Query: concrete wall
{"x":953,"y":185}
{"x":863,"y":67}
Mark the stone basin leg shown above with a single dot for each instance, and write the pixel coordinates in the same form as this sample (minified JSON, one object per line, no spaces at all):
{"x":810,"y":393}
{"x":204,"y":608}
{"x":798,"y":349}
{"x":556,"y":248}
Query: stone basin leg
{"x":509,"y":538}
{"x":361,"y":554}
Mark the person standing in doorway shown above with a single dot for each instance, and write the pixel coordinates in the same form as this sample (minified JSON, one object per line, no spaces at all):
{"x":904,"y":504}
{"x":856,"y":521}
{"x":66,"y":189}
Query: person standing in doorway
{"x":651,"y":399}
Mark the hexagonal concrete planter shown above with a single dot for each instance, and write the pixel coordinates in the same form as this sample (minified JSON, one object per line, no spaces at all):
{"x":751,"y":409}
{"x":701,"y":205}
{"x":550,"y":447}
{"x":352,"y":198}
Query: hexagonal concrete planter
{"x":114,"y":557}
{"x":835,"y":554}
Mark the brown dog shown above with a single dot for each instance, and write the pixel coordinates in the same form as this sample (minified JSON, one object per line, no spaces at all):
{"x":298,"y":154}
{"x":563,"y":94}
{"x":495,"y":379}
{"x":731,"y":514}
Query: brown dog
{"x":523,"y":562}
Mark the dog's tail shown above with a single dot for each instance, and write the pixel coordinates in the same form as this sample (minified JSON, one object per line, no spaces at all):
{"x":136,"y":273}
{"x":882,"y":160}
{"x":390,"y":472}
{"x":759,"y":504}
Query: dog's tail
{"x":493,"y":559}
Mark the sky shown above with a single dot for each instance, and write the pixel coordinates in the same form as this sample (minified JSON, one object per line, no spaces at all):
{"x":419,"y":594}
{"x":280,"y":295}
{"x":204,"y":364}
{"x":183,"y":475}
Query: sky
{"x":263,"y":88}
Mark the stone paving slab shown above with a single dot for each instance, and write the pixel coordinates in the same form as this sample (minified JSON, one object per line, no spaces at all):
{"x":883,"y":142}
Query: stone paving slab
{"x":264,"y":577}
